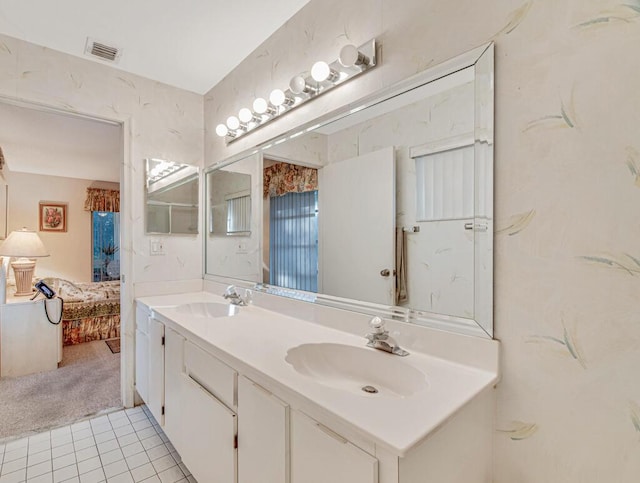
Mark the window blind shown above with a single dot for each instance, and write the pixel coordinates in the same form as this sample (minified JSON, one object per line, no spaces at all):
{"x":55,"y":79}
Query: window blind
{"x":293,"y":241}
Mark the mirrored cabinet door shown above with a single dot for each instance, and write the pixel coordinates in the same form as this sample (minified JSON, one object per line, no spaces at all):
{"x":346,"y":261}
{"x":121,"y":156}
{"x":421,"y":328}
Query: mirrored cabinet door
{"x":172,"y":191}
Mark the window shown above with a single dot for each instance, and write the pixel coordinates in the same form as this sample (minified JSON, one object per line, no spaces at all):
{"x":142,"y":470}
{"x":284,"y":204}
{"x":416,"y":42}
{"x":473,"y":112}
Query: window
{"x":444,"y":187}
{"x":106,"y":245}
{"x":293,"y":241}
{"x":239,"y":214}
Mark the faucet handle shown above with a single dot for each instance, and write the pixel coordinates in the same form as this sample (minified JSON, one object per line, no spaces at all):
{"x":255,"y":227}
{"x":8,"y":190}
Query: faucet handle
{"x":377,"y":325}
{"x":248,"y":296}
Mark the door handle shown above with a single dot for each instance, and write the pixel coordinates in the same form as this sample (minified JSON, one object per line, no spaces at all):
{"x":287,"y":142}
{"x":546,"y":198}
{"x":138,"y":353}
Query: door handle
{"x":385,"y":273}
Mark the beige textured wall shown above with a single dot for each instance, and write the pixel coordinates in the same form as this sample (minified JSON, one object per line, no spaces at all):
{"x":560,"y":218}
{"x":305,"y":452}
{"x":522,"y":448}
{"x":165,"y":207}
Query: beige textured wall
{"x":165,"y":122}
{"x":567,"y":199}
{"x":70,"y":252}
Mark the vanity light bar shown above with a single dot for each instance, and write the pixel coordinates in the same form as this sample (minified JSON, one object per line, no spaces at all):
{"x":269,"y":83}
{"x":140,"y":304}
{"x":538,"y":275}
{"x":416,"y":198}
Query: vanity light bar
{"x":323,"y":77}
{"x":161,"y":169}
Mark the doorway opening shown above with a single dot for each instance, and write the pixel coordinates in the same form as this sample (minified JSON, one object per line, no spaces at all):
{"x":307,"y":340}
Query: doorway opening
{"x":56,"y":156}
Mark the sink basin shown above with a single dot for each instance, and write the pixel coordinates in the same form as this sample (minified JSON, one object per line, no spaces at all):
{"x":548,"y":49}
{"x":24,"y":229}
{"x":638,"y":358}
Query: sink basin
{"x":208,"y":309}
{"x":359,"y":370}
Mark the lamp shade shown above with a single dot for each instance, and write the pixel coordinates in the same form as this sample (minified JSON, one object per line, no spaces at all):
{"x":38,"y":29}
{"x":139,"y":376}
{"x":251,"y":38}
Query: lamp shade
{"x":23,"y":243}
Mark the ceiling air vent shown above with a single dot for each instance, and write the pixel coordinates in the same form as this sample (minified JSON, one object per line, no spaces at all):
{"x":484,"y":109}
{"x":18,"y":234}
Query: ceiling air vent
{"x":102,"y":50}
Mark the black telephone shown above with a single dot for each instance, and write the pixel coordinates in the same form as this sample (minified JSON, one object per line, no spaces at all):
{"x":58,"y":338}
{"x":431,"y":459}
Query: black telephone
{"x":48,"y":292}
{"x":45,"y":289}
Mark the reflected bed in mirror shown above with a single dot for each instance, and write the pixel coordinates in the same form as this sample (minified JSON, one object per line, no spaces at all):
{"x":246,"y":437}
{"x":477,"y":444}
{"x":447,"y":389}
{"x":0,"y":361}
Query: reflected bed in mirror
{"x":171,"y":197}
{"x":386,"y":208}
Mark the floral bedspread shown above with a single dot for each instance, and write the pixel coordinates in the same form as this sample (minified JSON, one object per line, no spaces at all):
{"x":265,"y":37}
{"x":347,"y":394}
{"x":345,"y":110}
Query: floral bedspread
{"x":91,"y":310}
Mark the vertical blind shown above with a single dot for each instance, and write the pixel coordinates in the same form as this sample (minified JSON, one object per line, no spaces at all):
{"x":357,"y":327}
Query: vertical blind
{"x":445,"y":188}
{"x":293,"y":240}
{"x":239,"y":214}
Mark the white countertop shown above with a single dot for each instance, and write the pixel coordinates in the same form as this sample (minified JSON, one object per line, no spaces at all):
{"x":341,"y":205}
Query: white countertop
{"x":259,"y":339}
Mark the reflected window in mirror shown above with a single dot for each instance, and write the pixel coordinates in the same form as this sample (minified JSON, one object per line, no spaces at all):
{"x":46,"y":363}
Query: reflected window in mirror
{"x":232,"y":247}
{"x":290,"y":225}
{"x":403,"y":206}
{"x":239,"y":214}
{"x":229,"y":195}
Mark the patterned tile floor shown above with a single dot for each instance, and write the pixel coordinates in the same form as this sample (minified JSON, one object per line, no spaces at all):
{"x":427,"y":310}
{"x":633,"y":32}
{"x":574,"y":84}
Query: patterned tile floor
{"x":120,"y":447}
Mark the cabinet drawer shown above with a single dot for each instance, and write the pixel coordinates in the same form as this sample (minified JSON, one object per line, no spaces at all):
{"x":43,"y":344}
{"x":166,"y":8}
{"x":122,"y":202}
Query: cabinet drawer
{"x":212,"y":374}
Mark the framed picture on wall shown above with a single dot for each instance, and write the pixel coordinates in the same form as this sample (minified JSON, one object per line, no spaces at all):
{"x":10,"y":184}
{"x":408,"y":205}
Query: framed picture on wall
{"x":53,"y":216}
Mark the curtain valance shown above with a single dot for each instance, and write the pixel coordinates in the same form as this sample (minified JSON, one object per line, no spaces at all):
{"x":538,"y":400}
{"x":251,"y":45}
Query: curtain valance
{"x":283,"y":178}
{"x":102,"y":200}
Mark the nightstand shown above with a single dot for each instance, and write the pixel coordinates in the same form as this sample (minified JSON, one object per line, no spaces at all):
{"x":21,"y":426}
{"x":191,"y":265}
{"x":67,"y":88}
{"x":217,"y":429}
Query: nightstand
{"x":28,"y":342}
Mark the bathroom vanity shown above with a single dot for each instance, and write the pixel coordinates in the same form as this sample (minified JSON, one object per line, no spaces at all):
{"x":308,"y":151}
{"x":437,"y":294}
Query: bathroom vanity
{"x":247,"y":394}
{"x":382,"y":208}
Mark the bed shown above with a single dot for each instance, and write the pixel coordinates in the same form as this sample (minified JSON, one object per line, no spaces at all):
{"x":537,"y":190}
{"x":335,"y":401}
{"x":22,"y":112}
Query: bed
{"x":91,"y":310}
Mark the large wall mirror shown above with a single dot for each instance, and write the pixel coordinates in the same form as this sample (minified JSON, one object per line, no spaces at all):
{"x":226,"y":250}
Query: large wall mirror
{"x":171,"y":191}
{"x":385,"y":208}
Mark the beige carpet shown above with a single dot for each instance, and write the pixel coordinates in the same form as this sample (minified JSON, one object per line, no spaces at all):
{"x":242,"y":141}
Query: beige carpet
{"x":87,"y":383}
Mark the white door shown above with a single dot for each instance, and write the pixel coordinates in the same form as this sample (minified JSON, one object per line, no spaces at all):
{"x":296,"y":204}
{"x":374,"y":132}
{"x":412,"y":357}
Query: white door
{"x":319,"y":455}
{"x":356,"y":205}
{"x":156,"y":370}
{"x":263,"y":435}
{"x":142,"y":354}
{"x":210,"y":429}
{"x":173,"y":394}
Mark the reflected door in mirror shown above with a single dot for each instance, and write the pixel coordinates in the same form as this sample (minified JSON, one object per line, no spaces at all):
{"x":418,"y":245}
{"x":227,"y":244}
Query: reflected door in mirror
{"x":357,"y":227}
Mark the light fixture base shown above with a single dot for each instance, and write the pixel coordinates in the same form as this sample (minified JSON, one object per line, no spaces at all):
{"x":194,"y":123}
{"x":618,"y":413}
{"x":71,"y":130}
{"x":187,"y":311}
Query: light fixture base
{"x":23,"y":270}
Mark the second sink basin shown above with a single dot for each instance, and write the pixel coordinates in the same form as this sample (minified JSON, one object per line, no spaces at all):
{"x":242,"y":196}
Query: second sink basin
{"x":357,"y":370}
{"x":208,"y":309}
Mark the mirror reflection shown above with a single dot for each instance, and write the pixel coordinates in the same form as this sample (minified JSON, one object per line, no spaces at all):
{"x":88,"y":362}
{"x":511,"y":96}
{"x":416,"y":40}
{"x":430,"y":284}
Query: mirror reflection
{"x":171,"y":197}
{"x":229,"y":202}
{"x":233,"y":241}
{"x":390,"y":204}
{"x":290,"y":225}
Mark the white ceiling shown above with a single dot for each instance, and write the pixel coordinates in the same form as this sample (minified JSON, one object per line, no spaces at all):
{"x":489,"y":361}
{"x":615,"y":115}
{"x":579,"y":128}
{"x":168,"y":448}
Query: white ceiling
{"x":54,"y":144}
{"x":191,"y":45}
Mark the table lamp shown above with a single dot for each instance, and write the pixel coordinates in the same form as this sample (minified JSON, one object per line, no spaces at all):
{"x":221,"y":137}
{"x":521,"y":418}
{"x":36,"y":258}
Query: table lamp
{"x":23,"y":244}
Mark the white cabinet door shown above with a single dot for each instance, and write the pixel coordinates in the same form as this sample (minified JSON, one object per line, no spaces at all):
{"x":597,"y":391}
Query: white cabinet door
{"x":210,"y":431}
{"x":156,"y":370}
{"x":319,"y":455}
{"x":173,"y":391}
{"x":142,"y":353}
{"x":263,"y":435}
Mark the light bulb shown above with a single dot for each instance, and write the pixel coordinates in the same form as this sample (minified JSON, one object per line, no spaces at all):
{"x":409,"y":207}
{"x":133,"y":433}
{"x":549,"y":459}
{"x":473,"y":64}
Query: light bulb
{"x":233,"y":123}
{"x":260,"y":105}
{"x":350,"y":56}
{"x":277,"y":97}
{"x":221,"y":130}
{"x":298,"y":85}
{"x":320,"y":71}
{"x":245,"y":115}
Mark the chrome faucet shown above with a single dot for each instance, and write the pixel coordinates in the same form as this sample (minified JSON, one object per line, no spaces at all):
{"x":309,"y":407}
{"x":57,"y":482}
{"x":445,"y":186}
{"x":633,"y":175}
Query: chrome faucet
{"x":233,"y":295}
{"x":379,"y":338}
